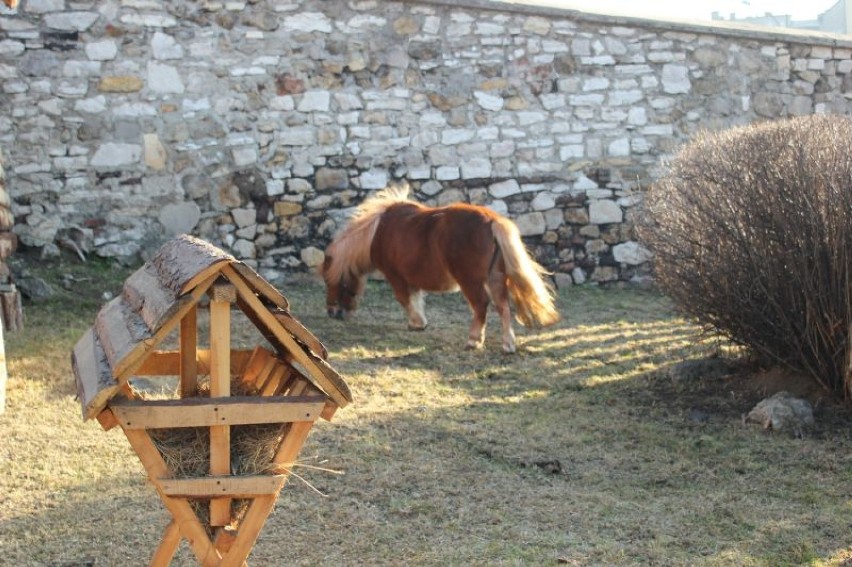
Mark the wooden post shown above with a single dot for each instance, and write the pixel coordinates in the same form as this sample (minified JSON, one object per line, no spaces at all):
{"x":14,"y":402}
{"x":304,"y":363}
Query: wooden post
{"x":222,"y":296}
{"x":189,"y":354}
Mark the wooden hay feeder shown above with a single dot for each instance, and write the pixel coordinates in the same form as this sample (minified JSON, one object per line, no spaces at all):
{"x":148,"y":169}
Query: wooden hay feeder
{"x":290,"y":385}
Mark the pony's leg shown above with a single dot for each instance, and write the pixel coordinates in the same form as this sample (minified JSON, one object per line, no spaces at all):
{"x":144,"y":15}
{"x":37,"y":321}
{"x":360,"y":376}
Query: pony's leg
{"x":500,"y":296}
{"x":477,"y":298}
{"x":416,"y":310}
{"x":411,"y":301}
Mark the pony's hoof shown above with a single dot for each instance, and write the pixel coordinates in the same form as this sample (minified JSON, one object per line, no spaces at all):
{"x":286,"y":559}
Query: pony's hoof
{"x":509,"y":349}
{"x":472,"y":346}
{"x":416,"y":327}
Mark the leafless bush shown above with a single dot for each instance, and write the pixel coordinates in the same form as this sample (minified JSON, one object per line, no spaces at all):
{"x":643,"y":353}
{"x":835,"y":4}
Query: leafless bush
{"x":752,"y":234}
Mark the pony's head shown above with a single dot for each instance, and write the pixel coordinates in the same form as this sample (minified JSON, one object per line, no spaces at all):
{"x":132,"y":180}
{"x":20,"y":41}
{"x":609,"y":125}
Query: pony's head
{"x":347,"y":259}
{"x":342,"y":291}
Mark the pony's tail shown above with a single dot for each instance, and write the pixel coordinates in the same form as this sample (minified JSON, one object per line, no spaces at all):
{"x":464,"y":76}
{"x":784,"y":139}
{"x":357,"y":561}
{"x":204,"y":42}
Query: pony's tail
{"x":532,"y":295}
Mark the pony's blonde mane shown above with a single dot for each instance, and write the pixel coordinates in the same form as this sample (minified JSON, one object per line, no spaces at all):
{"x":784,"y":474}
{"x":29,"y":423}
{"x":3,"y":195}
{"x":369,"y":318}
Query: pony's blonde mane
{"x":350,"y":249}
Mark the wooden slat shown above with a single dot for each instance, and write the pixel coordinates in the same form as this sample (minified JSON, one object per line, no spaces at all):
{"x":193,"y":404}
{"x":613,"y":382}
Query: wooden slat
{"x":189,"y":353}
{"x":337,"y":390}
{"x":147,"y":296}
{"x":122,"y":333}
{"x":95,"y":384}
{"x":246,"y":486}
{"x":260,"y":507}
{"x":185,"y":262}
{"x":205,"y":412}
{"x":262,"y":360}
{"x":287,"y":382}
{"x":274,"y":381}
{"x":131,"y":362}
{"x":300,"y":332}
{"x":261,"y":286}
{"x":167,"y":362}
{"x":168,"y":546}
{"x":181,"y":511}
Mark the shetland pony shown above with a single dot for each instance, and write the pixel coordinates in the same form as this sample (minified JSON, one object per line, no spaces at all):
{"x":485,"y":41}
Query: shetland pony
{"x":420,"y":249}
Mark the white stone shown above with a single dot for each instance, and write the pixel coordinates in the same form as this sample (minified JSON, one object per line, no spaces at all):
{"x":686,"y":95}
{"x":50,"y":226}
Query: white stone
{"x":552,"y":101}
{"x":374,"y":179}
{"x":179,"y":218}
{"x":637,"y":116}
{"x":71,"y":21}
{"x":244,"y":217}
{"x":431,"y":188}
{"x":45,"y":6}
{"x":675,"y":79}
{"x":596,"y":84}
{"x":447,"y":173}
{"x":94,"y":105}
{"x":531,"y":224}
{"x":488,"y":101}
{"x":10,"y":47}
{"x":307,"y":22}
{"x":476,"y":168}
{"x":164,"y":79}
{"x":304,"y":136}
{"x":504,"y":189}
{"x":619,"y":148}
{"x":149,"y":20}
{"x":348,"y":101}
{"x":454,"y":136}
{"x":274,"y":187}
{"x":631,"y":253}
{"x":605,"y":212}
{"x":134,"y":110}
{"x":164,"y":46}
{"x":622,"y":98}
{"x":315,"y":101}
{"x":244,"y":249}
{"x":115,"y":155}
{"x":312,"y":257}
{"x":104,"y":50}
{"x":244,"y":156}
{"x":527,"y":118}
{"x":543,"y":201}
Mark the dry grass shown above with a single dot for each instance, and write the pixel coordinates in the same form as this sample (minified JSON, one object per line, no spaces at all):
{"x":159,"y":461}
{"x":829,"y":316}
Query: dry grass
{"x":579,"y":450}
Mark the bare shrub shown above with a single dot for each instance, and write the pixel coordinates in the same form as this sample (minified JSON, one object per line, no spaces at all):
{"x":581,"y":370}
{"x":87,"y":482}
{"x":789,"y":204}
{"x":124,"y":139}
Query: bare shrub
{"x":751,"y":229}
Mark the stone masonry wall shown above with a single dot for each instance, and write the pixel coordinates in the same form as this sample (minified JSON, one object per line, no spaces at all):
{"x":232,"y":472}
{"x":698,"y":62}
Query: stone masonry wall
{"x":258,"y":125}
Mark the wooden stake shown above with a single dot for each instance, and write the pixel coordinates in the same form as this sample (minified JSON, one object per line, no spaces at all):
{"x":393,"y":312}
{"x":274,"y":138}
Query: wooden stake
{"x":223,"y":294}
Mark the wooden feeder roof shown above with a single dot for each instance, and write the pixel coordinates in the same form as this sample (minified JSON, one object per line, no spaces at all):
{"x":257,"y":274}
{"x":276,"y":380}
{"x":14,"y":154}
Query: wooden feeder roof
{"x":156,"y":297}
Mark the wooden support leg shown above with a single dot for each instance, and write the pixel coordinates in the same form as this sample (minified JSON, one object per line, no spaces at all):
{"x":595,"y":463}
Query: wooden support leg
{"x":261,"y":507}
{"x":179,"y":508}
{"x":168,"y":546}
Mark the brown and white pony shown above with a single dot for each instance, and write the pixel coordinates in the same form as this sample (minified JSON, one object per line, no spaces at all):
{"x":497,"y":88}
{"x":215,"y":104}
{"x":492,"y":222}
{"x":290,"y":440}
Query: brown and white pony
{"x":424,"y":249}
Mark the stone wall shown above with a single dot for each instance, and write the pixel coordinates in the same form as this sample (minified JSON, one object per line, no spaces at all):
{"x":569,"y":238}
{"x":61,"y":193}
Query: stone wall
{"x":258,"y":125}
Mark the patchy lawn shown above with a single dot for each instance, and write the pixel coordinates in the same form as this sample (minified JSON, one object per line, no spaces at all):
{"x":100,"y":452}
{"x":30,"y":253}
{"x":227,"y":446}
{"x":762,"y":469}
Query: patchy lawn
{"x":582,"y":449}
